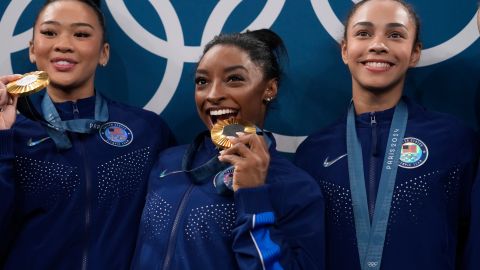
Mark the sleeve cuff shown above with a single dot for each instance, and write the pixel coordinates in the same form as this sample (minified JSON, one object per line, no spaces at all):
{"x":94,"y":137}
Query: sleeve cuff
{"x":253,"y":200}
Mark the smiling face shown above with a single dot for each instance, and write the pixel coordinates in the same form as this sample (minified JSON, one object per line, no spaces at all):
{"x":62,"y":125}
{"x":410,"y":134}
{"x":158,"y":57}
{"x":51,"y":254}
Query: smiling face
{"x":228,"y":84}
{"x":68,"y":45}
{"x":380,"y":47}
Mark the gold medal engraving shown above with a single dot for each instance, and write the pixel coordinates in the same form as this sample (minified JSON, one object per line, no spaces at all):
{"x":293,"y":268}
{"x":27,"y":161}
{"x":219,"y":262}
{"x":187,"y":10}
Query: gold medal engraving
{"x":224,"y":128}
{"x":29,"y":83}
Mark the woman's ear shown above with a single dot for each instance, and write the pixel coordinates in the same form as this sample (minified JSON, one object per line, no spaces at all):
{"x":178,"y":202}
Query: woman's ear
{"x":271,"y":90}
{"x":478,"y":19}
{"x":31,"y":52}
{"x":104,"y":55}
{"x":344,"y":52}
{"x":416,"y":53}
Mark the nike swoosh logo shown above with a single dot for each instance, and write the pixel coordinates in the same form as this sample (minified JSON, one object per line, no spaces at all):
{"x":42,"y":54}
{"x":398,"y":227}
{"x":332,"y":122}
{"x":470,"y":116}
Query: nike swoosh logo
{"x":33,"y":143}
{"x":163,"y":174}
{"x":327,"y":163}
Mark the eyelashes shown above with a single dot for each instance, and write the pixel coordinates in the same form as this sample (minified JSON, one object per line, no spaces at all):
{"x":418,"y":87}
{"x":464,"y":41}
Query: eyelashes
{"x":200,"y":80}
{"x":392,"y":35}
{"x":82,"y":35}
{"x":235,"y":78}
{"x":78,"y":34}
{"x":48,"y":33}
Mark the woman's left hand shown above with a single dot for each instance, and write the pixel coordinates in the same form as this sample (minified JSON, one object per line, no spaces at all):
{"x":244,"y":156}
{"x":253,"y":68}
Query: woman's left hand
{"x":250,"y":158}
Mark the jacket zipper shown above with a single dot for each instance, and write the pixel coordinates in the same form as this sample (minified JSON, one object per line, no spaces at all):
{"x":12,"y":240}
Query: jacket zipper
{"x":372,"y":183}
{"x":173,"y":233}
{"x":76,"y":114}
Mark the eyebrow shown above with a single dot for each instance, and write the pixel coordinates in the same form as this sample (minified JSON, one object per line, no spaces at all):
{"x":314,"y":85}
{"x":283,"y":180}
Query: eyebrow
{"x":78,"y":24}
{"x":389,"y":25}
{"x":232,"y":68}
{"x":228,"y":69}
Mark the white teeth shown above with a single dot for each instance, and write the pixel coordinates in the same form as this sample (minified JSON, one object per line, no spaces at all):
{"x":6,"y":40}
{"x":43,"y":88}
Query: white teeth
{"x":221,"y":112}
{"x":63,"y":63}
{"x":377,"y":64}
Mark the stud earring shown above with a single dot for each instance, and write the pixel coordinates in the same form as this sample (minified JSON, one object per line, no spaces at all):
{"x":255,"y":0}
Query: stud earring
{"x":268,"y":99}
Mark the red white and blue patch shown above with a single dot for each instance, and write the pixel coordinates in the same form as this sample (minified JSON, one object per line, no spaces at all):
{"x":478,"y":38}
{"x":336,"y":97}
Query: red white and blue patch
{"x":414,"y":153}
{"x":116,"y":134}
{"x":228,"y":178}
{"x":223,"y":181}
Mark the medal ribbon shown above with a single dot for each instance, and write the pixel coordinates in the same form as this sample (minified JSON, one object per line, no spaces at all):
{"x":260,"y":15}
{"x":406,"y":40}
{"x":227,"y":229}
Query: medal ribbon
{"x":204,"y":171}
{"x":371,"y":238}
{"x":210,"y":168}
{"x":56,"y":128}
{"x":223,"y":180}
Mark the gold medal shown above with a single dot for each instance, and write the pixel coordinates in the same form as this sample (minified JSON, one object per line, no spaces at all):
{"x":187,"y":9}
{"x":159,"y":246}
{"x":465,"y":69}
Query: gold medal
{"x":28,"y":84}
{"x":224,"y":128}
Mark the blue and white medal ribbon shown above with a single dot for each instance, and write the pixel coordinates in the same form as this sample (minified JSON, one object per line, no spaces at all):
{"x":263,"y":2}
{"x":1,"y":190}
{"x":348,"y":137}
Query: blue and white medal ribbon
{"x":56,"y":128}
{"x":371,"y":238}
{"x":204,"y":171}
{"x":222,"y":172}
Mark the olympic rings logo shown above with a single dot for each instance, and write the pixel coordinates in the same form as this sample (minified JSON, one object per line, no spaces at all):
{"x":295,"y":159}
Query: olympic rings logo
{"x":11,"y":43}
{"x":174,"y":50}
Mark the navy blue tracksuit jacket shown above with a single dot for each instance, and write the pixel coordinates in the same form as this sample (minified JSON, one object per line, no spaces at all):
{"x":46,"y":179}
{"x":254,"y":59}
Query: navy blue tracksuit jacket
{"x":188,"y":225}
{"x":430,"y":211}
{"x":77,"y":208}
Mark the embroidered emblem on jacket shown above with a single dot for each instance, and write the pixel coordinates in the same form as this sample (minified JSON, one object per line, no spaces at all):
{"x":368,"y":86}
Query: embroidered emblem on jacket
{"x":414,"y":153}
{"x":116,"y":134}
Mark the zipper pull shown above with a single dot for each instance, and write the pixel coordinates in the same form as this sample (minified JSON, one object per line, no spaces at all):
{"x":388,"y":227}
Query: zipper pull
{"x":76,"y":112}
{"x":373,"y":124}
{"x":373,"y":120}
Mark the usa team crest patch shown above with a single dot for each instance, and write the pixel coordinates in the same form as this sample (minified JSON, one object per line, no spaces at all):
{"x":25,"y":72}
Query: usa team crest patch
{"x":116,"y":134}
{"x":413,"y":154}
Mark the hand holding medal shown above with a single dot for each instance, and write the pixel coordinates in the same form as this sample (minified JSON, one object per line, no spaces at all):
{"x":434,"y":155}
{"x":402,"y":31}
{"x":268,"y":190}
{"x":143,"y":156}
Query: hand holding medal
{"x":29,"y":83}
{"x":14,"y":86}
{"x":244,"y":149}
{"x":224,"y":129}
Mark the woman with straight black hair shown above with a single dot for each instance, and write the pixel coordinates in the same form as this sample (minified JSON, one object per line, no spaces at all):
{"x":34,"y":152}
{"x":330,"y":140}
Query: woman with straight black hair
{"x":73,"y":165}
